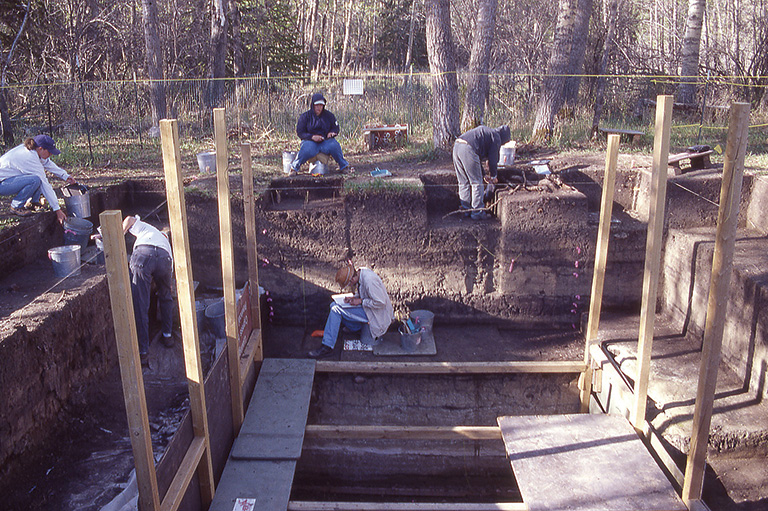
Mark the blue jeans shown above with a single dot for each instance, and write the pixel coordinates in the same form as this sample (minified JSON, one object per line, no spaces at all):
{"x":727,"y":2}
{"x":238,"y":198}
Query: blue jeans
{"x":469,"y":174}
{"x":150,"y":263}
{"x":310,"y":148}
{"x":353,"y":318}
{"x":25,"y":186}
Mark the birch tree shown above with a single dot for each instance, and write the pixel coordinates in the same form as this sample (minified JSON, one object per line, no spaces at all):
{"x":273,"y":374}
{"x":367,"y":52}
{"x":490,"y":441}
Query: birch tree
{"x":479,"y":66}
{"x":689,"y":62}
{"x":551,"y":98}
{"x":442,"y":66}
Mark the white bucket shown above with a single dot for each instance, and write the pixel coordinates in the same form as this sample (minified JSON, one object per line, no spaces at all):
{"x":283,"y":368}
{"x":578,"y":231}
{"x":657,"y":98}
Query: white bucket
{"x":66,"y":260}
{"x":288,"y":157}
{"x":318,"y":167}
{"x":507,"y":155}
{"x":207,"y":162}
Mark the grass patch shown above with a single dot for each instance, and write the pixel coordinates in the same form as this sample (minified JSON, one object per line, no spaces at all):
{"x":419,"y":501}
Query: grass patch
{"x":382,"y":186}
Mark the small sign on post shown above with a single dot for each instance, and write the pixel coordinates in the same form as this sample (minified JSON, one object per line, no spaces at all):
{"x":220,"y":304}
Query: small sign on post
{"x":353,"y":86}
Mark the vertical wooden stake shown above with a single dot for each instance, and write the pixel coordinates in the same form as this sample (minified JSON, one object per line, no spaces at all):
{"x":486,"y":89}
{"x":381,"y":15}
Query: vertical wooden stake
{"x":722,"y":263}
{"x":601,"y":256}
{"x":228,"y":266}
{"x":652,"y":256}
{"x":251,"y":248}
{"x":121,"y":301}
{"x":177,"y":213}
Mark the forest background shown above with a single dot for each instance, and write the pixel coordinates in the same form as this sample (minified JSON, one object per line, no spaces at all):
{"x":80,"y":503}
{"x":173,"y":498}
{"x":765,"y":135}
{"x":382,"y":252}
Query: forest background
{"x":555,"y":70}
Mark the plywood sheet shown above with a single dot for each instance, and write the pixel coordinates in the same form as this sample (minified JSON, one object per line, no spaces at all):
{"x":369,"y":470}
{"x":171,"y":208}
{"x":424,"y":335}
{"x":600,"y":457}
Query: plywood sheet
{"x":274,"y":425}
{"x":584,"y":462}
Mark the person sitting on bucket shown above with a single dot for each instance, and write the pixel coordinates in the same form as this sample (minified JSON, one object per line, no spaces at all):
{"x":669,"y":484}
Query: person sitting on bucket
{"x":317,"y":128}
{"x":369,"y":311}
{"x":22,"y":172}
{"x":481,"y":143}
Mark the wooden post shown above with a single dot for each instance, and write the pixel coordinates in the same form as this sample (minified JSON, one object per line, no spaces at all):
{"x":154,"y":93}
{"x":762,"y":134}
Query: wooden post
{"x":722,"y":263}
{"x":601,"y":256}
{"x":177,"y":213}
{"x":121,"y":301}
{"x":228,"y":266}
{"x":653,"y":247}
{"x":251,"y":248}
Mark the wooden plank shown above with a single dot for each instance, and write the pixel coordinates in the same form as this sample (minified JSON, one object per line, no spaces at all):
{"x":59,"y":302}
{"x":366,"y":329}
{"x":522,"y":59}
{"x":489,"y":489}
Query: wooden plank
{"x":267,"y":482}
{"x":584,"y":462}
{"x":121,"y":302}
{"x":249,"y":210}
{"x":403,"y":432}
{"x":653,"y":248}
{"x":177,"y":214}
{"x":183,"y":477}
{"x":677,"y":158}
{"x":277,"y":415}
{"x":616,"y":131}
{"x":279,"y":405}
{"x":722,"y":264}
{"x":298,"y":505}
{"x":228,"y":265}
{"x":451,"y":367}
{"x":601,"y":257}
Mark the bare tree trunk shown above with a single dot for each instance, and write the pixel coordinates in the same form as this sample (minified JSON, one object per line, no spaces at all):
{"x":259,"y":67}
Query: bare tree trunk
{"x":411,"y":32}
{"x":5,"y":116}
{"x":311,"y":50}
{"x":154,"y":61}
{"x":442,"y":65}
{"x":608,"y":47}
{"x":689,"y":68}
{"x":578,"y":51}
{"x":479,"y":65}
{"x":347,"y":29}
{"x":237,"y":39}
{"x":551,"y":98}
{"x":320,"y":49}
{"x":331,"y":41}
{"x":218,"y":55}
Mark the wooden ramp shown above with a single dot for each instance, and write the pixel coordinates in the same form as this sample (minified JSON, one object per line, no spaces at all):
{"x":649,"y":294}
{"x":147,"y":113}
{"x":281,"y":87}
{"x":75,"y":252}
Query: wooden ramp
{"x":584,"y":462}
{"x":263,"y":459}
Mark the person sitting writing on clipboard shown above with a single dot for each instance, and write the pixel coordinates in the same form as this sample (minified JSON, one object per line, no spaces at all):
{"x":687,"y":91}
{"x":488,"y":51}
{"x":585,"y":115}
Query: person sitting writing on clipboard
{"x":368,"y":311}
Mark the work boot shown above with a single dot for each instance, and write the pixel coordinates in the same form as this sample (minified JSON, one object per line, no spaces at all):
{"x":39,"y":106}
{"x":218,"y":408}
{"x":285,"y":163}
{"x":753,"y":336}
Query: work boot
{"x":33,"y":206}
{"x":481,"y":215}
{"x":168,"y":340}
{"x":322,"y":352}
{"x":20,"y":211}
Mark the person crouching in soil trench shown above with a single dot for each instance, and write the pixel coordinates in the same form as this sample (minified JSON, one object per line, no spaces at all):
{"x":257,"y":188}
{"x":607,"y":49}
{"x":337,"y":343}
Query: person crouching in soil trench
{"x":22,"y":173}
{"x":469,"y":150}
{"x":151,"y":259}
{"x":369,"y":311}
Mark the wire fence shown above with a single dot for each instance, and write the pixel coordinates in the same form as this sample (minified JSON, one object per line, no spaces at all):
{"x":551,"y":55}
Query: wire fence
{"x":261,"y":104}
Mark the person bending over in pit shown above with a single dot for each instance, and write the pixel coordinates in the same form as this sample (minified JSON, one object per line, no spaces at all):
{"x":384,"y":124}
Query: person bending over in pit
{"x":22,"y":173}
{"x":150,"y":260}
{"x":469,"y":150}
{"x":369,"y":311}
{"x":317,"y":128}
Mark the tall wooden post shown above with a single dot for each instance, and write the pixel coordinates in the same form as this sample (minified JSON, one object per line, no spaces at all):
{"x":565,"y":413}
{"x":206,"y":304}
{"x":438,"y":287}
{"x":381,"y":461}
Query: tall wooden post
{"x":251,"y":249}
{"x":652,"y":255}
{"x":128,"y":354}
{"x":722,"y":264}
{"x":228,"y":266}
{"x":177,"y":213}
{"x":601,"y":256}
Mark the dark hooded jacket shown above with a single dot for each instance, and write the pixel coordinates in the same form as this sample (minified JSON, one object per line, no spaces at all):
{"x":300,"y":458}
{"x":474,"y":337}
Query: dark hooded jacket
{"x":487,"y":142}
{"x":310,"y":124}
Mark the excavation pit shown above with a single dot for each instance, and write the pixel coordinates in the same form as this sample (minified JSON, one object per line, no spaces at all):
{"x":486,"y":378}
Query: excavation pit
{"x":497,"y":289}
